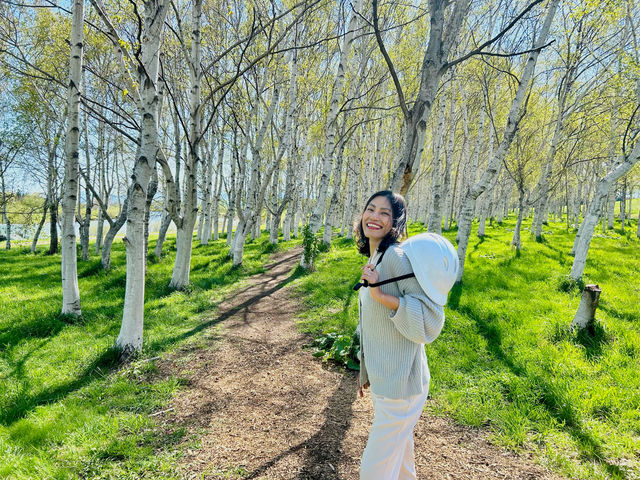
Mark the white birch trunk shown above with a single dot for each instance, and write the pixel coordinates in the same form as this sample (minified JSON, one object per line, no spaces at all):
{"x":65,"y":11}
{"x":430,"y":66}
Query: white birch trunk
{"x":5,"y":217}
{"x":186,"y":224}
{"x":232,"y":203}
{"x":587,"y":227}
{"x":623,"y":203}
{"x":70,"y":290}
{"x":250,"y":215}
{"x":611,"y":207}
{"x":273,"y":221}
{"x":337,"y":182}
{"x":36,"y":236}
{"x":207,"y":202}
{"x":434,"y":221}
{"x":218,"y":192}
{"x":85,"y":223}
{"x":485,"y":200}
{"x":130,"y":337}
{"x":446,"y":182}
{"x":103,"y":192}
{"x":331,"y":129}
{"x":515,"y":115}
{"x":347,"y":219}
{"x":289,"y":130}
{"x":162,"y":234}
{"x":516,"y":241}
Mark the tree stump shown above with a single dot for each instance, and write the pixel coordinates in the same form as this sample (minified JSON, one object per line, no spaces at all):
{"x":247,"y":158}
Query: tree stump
{"x":586,"y":313}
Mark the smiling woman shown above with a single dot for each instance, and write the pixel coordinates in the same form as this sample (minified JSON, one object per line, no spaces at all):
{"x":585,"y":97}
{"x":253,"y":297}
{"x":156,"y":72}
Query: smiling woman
{"x":396,"y":320}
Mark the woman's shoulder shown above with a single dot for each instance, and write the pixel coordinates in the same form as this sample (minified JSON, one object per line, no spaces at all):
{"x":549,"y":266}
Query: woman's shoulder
{"x":395,"y":250}
{"x":396,"y":259}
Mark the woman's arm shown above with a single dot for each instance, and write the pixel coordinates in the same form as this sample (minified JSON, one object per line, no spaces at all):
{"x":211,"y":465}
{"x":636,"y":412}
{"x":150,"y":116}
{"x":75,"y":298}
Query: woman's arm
{"x":386,"y":299}
{"x":416,"y":316}
{"x":371,"y":275}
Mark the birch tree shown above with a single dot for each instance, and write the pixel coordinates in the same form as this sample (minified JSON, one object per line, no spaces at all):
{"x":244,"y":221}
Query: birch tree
{"x":513,"y":120}
{"x":255,"y":188}
{"x":185,"y":223}
{"x":289,"y":148}
{"x":331,"y":124}
{"x":580,"y":38}
{"x":626,"y":160}
{"x":145,"y":93}
{"x":70,"y":290}
{"x":442,"y":36}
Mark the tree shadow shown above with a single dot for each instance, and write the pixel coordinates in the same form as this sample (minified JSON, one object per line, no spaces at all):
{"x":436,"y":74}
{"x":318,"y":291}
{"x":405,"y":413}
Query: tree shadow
{"x":161,"y":345}
{"x":508,"y":261}
{"x":479,"y":242}
{"x":90,"y":268}
{"x":630,"y":317}
{"x":109,"y":359}
{"x":43,"y":327}
{"x":593,"y":338}
{"x":324,"y":448}
{"x":454,"y":296}
{"x":550,"y":397}
{"x":106,"y":361}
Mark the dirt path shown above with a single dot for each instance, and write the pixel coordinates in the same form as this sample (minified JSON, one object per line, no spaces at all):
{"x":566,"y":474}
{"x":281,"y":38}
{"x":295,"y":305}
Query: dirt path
{"x":263,"y":408}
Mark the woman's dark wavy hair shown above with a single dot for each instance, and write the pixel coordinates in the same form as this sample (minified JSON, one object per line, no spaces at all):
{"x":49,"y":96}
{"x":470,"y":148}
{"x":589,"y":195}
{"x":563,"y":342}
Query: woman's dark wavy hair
{"x":398,"y":229}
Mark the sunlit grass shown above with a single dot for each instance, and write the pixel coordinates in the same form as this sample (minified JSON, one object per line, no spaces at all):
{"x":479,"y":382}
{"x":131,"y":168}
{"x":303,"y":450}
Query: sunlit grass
{"x":67,"y":410}
{"x":507,"y":360}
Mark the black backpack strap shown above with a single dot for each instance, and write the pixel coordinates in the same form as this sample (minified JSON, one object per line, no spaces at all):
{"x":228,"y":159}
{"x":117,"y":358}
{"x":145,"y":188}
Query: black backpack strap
{"x":357,"y":286}
{"x":394,"y":279}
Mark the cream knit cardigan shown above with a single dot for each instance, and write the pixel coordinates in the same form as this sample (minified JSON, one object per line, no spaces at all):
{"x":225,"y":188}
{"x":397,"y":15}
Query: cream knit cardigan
{"x":392,"y":356}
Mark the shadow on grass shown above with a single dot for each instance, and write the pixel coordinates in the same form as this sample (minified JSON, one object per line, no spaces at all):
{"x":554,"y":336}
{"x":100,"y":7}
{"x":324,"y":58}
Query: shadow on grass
{"x":90,"y":268}
{"x":105,"y":362}
{"x":593,"y":338}
{"x":630,"y":317}
{"x":556,"y":254}
{"x":109,"y":359}
{"x":454,"y":296}
{"x":507,"y":262}
{"x":479,"y":242}
{"x":42,"y":327}
{"x":551,"y":398}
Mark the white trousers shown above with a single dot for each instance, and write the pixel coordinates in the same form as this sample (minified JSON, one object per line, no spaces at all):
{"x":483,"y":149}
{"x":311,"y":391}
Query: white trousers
{"x":389,"y":451}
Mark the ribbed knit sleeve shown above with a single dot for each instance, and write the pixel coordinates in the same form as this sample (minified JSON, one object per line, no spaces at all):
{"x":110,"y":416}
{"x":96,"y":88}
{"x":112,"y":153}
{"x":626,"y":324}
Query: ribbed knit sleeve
{"x":364,"y":378}
{"x":417,"y":318}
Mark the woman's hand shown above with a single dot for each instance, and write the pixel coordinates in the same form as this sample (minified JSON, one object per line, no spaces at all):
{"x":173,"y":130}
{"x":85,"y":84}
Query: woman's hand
{"x":369,"y":273}
{"x":360,"y":387}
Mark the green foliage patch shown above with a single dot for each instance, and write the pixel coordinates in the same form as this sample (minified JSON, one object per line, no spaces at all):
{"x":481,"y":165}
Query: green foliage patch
{"x":507,"y":360}
{"x":341,"y":348}
{"x":67,"y":408}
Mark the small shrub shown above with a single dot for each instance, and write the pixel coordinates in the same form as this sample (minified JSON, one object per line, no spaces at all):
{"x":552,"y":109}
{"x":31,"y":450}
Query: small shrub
{"x":311,"y":247}
{"x":341,"y":348}
{"x":568,"y":284}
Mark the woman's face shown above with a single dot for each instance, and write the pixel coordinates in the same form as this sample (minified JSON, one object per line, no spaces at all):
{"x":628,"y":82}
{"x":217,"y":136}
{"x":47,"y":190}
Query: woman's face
{"x":377,"y":219}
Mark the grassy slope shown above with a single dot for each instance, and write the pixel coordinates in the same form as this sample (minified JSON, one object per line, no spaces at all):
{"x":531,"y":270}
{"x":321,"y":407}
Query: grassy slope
{"x":66,"y":410}
{"x":506,"y":358}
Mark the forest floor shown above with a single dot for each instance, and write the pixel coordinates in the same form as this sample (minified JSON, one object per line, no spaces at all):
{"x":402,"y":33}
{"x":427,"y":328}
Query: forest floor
{"x":259,"y":406}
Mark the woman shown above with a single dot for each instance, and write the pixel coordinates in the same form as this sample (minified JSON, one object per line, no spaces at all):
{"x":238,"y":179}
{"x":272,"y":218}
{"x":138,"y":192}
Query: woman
{"x":396,"y":320}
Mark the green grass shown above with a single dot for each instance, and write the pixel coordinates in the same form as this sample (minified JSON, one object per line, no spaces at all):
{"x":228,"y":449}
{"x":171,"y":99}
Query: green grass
{"x":506,"y":359}
{"x":67,"y":409}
